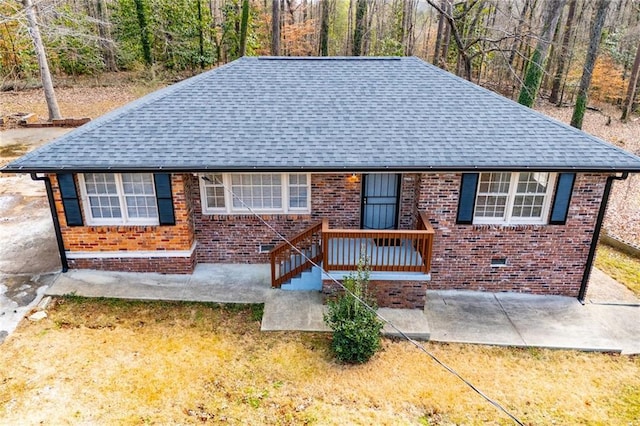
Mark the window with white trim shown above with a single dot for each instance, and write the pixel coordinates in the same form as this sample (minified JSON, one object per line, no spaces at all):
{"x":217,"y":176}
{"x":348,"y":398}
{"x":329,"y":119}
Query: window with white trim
{"x":513,"y":198}
{"x":261,"y":192}
{"x":119,"y":199}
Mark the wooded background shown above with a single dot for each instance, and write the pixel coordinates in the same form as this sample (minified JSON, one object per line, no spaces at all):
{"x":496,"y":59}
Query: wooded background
{"x":558,"y":49}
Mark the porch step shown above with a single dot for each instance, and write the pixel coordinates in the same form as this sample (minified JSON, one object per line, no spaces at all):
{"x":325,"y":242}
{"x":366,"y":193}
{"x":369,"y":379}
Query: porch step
{"x":308,"y":280}
{"x":296,"y":259}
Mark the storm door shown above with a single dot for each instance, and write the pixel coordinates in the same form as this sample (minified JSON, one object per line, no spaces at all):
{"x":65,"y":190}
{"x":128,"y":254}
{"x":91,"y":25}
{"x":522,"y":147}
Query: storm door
{"x":380,"y":200}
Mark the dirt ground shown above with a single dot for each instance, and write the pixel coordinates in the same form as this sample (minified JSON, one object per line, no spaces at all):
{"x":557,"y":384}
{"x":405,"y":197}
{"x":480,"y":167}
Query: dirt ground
{"x":85,"y":100}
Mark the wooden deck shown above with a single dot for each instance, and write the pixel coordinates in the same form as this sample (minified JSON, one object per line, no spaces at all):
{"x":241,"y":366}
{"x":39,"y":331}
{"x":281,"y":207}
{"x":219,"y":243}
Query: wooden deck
{"x":342,"y":249}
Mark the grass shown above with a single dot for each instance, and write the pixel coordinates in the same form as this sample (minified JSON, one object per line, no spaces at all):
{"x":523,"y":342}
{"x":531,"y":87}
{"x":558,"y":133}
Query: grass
{"x":623,"y":268}
{"x":104,"y":361}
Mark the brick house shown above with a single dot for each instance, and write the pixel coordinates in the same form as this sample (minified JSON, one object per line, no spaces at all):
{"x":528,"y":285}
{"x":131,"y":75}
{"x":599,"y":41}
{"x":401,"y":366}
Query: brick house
{"x":437,"y":182}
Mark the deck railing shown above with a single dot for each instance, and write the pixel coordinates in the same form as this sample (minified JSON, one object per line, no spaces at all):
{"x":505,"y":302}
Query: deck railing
{"x":341,"y":249}
{"x":287,"y":262}
{"x":384,"y":250}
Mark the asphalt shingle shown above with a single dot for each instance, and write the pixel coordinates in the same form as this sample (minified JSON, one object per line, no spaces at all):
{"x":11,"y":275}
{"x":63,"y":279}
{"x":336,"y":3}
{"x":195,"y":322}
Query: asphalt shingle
{"x":326,"y":114}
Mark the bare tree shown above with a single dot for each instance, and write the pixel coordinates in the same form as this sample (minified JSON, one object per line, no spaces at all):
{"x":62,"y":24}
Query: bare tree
{"x":590,"y":62}
{"x":533,"y":77}
{"x":45,"y":74}
{"x":439,"y":32}
{"x":275,"y":28}
{"x":145,"y":38}
{"x":244,"y":24}
{"x":562,"y":54}
{"x":201,"y":60}
{"x":631,"y":88}
{"x":324,"y":28}
{"x":518,"y":31}
{"x":360,"y":27}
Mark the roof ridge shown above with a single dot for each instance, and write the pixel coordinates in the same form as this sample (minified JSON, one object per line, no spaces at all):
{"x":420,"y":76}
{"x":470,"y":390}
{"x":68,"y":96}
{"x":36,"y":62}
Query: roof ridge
{"x":330,"y":58}
{"x":526,"y":108}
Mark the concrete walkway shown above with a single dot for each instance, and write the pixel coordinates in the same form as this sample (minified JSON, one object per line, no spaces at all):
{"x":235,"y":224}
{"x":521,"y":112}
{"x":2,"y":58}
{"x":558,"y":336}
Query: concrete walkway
{"x":510,"y":319}
{"x":208,"y":283}
{"x":513,"y":319}
{"x":303,"y":311}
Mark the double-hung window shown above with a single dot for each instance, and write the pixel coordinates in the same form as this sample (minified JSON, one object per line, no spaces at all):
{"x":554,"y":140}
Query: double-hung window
{"x":260,"y":192}
{"x":119,"y":199}
{"x":513,"y":198}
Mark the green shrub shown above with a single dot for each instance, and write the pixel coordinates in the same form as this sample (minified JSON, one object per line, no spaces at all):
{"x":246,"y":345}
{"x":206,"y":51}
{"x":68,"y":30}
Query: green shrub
{"x":356,"y":328}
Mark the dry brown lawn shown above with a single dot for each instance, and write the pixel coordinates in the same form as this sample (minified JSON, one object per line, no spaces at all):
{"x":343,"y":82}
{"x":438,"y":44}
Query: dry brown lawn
{"x":620,"y":266}
{"x":116,"y":362}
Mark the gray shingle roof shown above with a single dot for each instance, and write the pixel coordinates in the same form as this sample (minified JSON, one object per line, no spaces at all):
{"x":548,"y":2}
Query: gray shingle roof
{"x":326,"y":114}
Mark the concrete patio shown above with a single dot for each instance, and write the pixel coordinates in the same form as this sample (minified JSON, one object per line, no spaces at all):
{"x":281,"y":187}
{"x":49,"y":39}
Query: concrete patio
{"x":607,"y":323}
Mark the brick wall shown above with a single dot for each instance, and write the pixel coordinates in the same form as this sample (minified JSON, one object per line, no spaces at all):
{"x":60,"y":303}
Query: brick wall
{"x":162,"y":265}
{"x":407,"y":219}
{"x":236,"y":238}
{"x":388,"y":294}
{"x":547,"y":259}
{"x":131,"y":238}
{"x":541,"y":259}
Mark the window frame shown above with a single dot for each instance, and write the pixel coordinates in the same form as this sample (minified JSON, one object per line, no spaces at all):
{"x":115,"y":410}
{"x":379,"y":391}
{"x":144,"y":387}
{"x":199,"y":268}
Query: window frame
{"x":508,"y":218}
{"x":229,"y":209}
{"x":124,"y":219}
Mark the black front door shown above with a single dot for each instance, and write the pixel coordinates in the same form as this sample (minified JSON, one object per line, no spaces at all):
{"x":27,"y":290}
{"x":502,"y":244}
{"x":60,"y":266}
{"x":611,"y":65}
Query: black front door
{"x":380,"y":192}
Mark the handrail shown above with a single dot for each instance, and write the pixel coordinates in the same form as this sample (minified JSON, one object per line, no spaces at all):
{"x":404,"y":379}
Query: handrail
{"x":286,"y":262}
{"x":424,"y":224}
{"x":426,"y":252}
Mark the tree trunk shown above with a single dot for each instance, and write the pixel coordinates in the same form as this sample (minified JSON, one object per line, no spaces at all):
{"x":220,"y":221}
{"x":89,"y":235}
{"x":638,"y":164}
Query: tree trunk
{"x":552,"y":54}
{"x":439,"y":35}
{"x":631,"y":89}
{"x":590,"y":62}
{"x":45,"y":74}
{"x":446,"y":35}
{"x":244,"y":25}
{"x":516,"y":37}
{"x":275,"y":28}
{"x":359,"y":29}
{"x":324,"y":28}
{"x":407,"y":31}
{"x":145,"y":40}
{"x":106,"y":43}
{"x":533,"y":76}
{"x":200,"y":36}
{"x":562,"y":55}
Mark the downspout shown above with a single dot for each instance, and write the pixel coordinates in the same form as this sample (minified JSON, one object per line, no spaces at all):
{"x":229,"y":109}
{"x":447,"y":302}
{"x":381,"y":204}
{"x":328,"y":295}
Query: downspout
{"x":54,"y":216}
{"x":596,"y":234}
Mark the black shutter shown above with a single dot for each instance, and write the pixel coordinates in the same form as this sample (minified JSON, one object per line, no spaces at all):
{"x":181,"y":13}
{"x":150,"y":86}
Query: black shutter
{"x":70,"y":202}
{"x":562,"y":199}
{"x":164,"y":198}
{"x":467,"y":200}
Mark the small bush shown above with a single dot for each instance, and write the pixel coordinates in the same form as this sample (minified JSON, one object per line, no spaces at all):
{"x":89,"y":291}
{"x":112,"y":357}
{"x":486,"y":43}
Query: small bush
{"x":356,"y":328}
